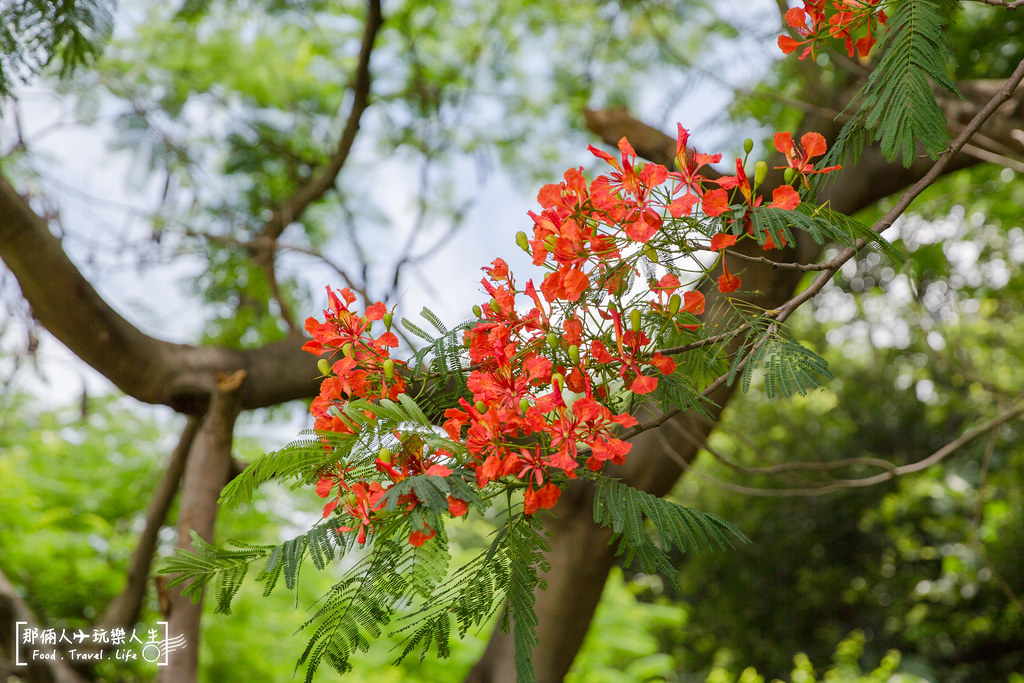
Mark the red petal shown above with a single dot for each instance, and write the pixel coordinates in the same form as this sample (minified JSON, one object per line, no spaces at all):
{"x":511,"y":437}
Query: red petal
{"x":785,"y":197}
{"x":787,"y":44}
{"x":722,"y":240}
{"x":418,"y":538}
{"x":784,"y":142}
{"x":796,"y":18}
{"x":682,"y":206}
{"x":814,"y":144}
{"x":549,"y":195}
{"x":728,"y":283}
{"x":644,"y":384}
{"x":600,"y":154}
{"x":456,"y":507}
{"x":664,"y":364}
{"x":715,"y":202}
{"x":693,"y":302}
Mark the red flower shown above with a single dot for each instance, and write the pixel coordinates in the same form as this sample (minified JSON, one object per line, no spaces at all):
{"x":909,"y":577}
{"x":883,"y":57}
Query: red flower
{"x":727,"y":282}
{"x":540,"y":499}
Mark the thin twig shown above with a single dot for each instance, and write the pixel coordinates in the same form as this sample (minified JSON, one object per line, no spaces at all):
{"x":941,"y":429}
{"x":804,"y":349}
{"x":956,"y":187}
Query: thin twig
{"x":326,"y":176}
{"x":844,"y":484}
{"x":802,"y":267}
{"x":1008,"y":4}
{"x":910,"y":195}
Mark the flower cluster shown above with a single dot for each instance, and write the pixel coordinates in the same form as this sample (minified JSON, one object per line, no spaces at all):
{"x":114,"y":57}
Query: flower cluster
{"x":364,"y":367}
{"x":554,"y":368}
{"x":842,"y":19}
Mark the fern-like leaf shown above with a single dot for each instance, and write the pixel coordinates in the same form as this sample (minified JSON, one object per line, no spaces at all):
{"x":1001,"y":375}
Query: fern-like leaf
{"x":897,"y":101}
{"x":625,"y":509}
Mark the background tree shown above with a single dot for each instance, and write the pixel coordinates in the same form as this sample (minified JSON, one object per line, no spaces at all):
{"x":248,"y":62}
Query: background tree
{"x":244,"y":122}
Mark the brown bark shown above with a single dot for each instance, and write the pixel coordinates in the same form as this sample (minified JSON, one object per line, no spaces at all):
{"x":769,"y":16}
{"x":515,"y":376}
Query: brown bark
{"x":207,"y":470}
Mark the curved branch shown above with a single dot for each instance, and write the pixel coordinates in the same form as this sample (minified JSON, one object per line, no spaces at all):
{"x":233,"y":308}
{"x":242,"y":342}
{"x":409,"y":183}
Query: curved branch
{"x":144,"y":367}
{"x":324,"y":178}
{"x":123,"y":610}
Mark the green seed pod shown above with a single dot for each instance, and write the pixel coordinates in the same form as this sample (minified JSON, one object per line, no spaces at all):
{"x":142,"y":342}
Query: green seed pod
{"x":790,"y":175}
{"x":389,"y":369}
{"x":323,"y":366}
{"x":748,"y":145}
{"x":634,"y":319}
{"x":674,"y":302}
{"x":477,"y":311}
{"x":480,"y":406}
{"x":760,"y":173}
{"x":523,"y":241}
{"x":574,"y":354}
{"x":385,"y":456}
{"x":387,"y":321}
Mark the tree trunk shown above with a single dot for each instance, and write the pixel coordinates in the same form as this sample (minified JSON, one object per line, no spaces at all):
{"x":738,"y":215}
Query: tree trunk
{"x":207,"y":470}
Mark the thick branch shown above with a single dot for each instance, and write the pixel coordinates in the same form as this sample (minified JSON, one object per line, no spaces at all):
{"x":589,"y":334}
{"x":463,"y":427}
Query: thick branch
{"x":148,"y":369}
{"x":207,"y":470}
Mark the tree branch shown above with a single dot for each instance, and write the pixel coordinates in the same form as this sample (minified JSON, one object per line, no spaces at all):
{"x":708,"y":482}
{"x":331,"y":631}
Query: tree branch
{"x":891,"y":473}
{"x":324,"y":178}
{"x":123,"y":611}
{"x":148,"y":369}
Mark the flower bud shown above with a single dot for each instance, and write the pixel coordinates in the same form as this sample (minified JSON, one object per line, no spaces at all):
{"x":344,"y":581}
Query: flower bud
{"x":385,"y":456}
{"x":552,"y":340}
{"x":346,"y":350}
{"x":748,"y":145}
{"x":524,"y":405}
{"x":481,"y":407}
{"x":790,"y":175}
{"x":477,"y":311}
{"x":389,"y":369}
{"x":494,"y":306}
{"x":651,"y":253}
{"x":557,"y":381}
{"x":674,"y":302}
{"x":323,"y":366}
{"x":634,"y":319}
{"x":550,"y":242}
{"x":387,"y":321}
{"x":574,"y":354}
{"x":350,"y":500}
{"x":523,"y":241}
{"x":760,"y":173}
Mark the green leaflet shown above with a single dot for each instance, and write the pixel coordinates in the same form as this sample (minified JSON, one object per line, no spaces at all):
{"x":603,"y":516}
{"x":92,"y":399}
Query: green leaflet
{"x":625,"y":509}
{"x":897,"y":102}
